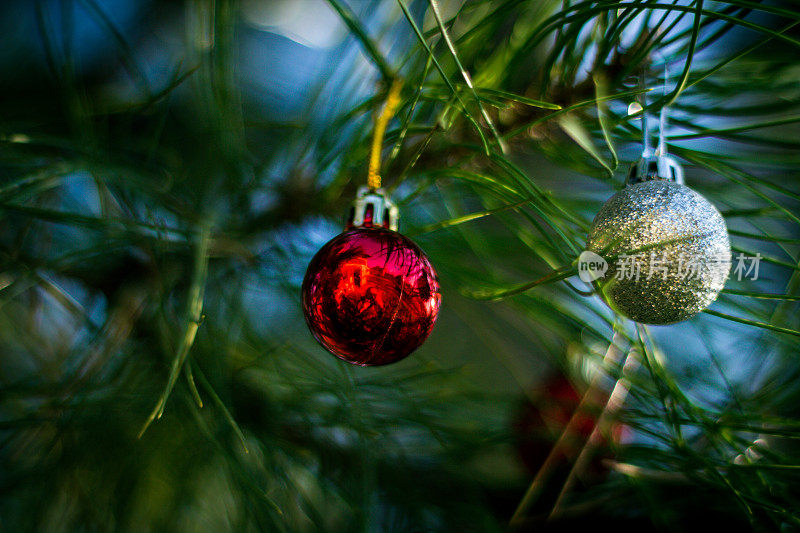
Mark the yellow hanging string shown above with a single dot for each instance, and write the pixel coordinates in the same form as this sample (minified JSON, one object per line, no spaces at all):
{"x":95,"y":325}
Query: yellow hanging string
{"x":392,"y":101}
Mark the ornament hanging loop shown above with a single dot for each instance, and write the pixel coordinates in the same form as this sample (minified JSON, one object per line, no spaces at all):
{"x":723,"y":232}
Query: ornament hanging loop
{"x":662,"y":122}
{"x":372,"y":207}
{"x":389,"y":109}
{"x":655,"y":165}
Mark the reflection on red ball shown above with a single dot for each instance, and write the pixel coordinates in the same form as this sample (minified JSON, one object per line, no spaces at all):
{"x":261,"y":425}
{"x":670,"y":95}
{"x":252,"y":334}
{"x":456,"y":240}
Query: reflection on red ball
{"x":370,"y":296}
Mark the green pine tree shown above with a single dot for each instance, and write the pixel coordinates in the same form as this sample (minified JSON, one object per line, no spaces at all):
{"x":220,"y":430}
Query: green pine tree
{"x":159,"y":207}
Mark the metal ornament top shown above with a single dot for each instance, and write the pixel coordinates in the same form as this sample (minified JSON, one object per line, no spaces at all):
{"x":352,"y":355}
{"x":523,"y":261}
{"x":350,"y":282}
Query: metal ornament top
{"x":655,"y":167}
{"x":655,"y":164}
{"x":373,"y":208}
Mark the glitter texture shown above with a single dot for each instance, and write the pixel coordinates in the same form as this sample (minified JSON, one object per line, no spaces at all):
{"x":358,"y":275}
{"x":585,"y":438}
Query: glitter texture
{"x":672,"y":239}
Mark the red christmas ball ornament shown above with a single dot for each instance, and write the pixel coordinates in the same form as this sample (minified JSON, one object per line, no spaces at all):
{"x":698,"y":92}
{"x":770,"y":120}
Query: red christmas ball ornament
{"x":370,"y":295}
{"x":557,"y":409}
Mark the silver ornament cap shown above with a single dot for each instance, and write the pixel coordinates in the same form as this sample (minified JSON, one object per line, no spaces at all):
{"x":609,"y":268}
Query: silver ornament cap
{"x":667,"y":250}
{"x":373,"y":208}
{"x":657,"y":166}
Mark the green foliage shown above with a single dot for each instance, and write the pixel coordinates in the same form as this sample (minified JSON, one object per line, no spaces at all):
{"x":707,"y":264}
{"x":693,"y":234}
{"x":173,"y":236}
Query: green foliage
{"x":154,"y":238}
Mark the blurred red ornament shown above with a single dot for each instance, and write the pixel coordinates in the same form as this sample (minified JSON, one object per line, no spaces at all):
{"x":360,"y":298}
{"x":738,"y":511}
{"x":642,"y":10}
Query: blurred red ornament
{"x":370,"y":295}
{"x":554,"y":410}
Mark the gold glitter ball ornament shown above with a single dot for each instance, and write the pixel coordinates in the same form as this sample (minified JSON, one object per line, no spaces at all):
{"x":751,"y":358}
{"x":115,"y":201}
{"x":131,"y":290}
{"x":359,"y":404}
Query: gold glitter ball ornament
{"x":667,"y":250}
